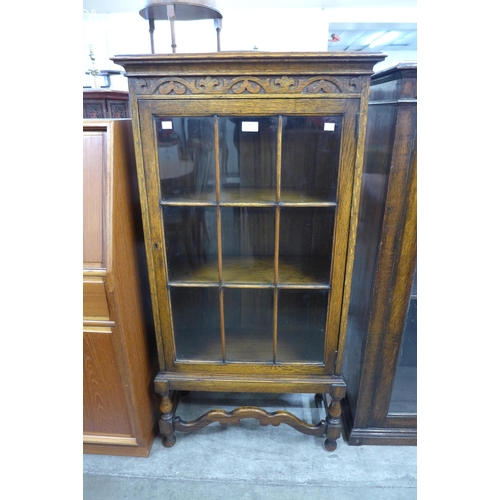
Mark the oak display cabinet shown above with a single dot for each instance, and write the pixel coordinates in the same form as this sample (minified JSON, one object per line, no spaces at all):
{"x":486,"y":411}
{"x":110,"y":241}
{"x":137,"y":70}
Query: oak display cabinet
{"x":249,"y":167}
{"x":380,"y":356}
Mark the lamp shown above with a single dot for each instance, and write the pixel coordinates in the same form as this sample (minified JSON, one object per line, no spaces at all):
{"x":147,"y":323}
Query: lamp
{"x":180,"y":10}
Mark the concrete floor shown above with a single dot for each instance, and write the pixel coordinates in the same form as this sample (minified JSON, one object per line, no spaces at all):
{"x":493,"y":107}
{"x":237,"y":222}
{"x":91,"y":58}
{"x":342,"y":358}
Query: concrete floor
{"x":253,"y":462}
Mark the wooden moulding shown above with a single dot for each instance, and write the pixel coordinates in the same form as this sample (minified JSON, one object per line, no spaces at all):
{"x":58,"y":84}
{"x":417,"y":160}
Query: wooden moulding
{"x":383,"y":436}
{"x":248,"y":75}
{"x":247,"y":62}
{"x":248,"y":383}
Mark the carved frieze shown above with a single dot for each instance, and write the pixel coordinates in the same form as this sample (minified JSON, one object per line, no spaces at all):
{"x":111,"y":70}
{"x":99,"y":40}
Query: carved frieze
{"x":93,"y":110}
{"x":249,"y":85}
{"x":118,"y":109}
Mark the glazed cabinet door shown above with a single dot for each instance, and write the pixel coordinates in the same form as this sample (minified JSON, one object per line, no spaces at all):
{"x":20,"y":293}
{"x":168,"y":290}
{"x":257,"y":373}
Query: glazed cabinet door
{"x":403,"y":399}
{"x":248,"y":231}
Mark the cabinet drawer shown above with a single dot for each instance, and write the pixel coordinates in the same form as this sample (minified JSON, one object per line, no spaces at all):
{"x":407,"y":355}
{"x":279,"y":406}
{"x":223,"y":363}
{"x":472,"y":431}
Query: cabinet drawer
{"x":95,"y":303}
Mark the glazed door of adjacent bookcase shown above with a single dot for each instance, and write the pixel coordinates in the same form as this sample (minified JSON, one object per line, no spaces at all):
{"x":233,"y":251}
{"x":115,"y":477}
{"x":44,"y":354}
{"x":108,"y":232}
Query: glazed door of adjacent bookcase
{"x":404,"y":391}
{"x":249,"y":218}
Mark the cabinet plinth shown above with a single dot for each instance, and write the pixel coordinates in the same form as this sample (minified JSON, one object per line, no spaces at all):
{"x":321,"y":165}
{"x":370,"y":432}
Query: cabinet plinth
{"x":249,"y":168}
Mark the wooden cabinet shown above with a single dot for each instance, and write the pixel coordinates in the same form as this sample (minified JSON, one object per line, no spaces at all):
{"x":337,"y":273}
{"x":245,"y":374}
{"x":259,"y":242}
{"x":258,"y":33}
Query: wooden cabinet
{"x":249,"y":167}
{"x":380,"y":365}
{"x":105,"y":104}
{"x":119,"y":361}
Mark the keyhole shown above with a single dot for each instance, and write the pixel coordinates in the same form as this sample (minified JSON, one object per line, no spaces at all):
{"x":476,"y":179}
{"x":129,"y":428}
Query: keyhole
{"x":156,"y":246}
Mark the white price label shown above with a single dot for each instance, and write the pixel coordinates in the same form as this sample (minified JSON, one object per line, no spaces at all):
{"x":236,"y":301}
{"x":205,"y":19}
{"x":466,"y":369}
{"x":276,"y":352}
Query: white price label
{"x":249,"y":126}
{"x":166,"y":125}
{"x":329,"y":127}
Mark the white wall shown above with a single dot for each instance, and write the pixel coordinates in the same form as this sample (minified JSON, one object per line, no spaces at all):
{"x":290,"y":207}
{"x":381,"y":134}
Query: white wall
{"x":275,"y":30}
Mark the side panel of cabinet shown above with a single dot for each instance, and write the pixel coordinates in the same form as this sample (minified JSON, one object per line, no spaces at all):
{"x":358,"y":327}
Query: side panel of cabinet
{"x":373,"y":194}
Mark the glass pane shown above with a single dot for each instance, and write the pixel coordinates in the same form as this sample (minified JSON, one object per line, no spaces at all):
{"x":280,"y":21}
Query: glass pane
{"x":301,"y":325}
{"x":186,"y":158}
{"x":197,"y":336}
{"x":191,"y":238}
{"x":248,"y":323}
{"x":404,"y":391}
{"x":248,"y":245}
{"x":248,"y":158}
{"x":306,"y":238}
{"x":310,"y":158}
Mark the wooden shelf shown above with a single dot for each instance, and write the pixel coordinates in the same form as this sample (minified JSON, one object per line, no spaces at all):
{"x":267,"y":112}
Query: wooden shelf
{"x":255,"y":346}
{"x":248,"y":197}
{"x":294,"y":272}
{"x":189,"y":198}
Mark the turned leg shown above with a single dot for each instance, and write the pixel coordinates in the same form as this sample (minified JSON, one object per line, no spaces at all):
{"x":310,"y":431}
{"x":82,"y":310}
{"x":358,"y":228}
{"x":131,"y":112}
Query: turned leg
{"x":334,"y":425}
{"x":167,"y":429}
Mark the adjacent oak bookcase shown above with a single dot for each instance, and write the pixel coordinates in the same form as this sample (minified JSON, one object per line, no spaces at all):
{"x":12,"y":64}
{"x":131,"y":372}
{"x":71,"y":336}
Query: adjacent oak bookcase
{"x":380,"y":359}
{"x":249,"y":168}
{"x":100,"y":103}
{"x":119,"y":362}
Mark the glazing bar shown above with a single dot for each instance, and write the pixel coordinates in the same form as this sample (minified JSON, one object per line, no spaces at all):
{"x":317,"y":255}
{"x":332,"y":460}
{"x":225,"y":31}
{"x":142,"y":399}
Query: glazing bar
{"x":219,"y":237}
{"x":277,"y":238}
